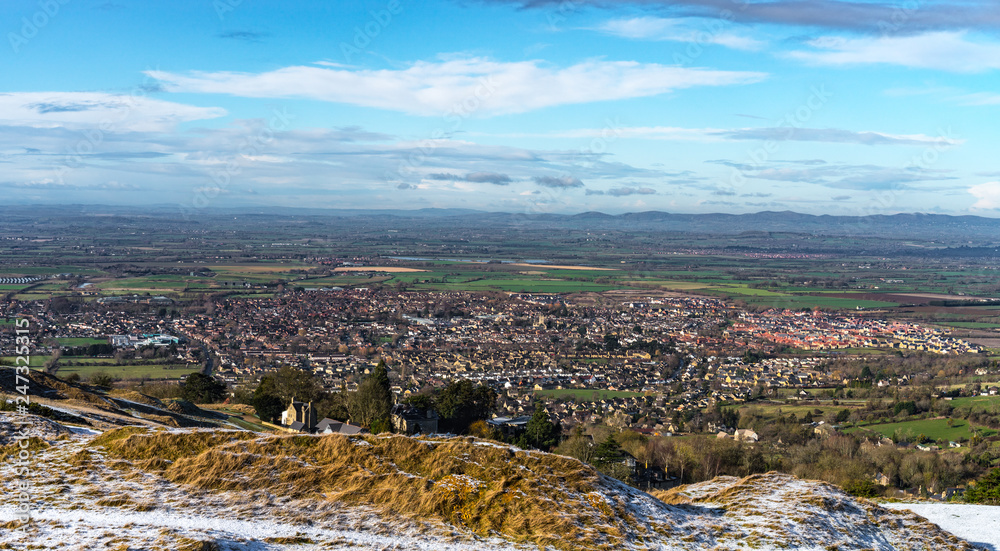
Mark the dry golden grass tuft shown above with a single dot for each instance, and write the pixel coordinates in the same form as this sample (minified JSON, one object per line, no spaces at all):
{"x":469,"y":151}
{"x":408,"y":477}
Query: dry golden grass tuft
{"x":673,"y":496}
{"x":187,"y":544}
{"x":35,"y":444}
{"x":115,"y":501}
{"x":245,"y":409}
{"x":141,"y":443}
{"x":177,"y":405}
{"x":289,"y":540}
{"x":487,"y":489}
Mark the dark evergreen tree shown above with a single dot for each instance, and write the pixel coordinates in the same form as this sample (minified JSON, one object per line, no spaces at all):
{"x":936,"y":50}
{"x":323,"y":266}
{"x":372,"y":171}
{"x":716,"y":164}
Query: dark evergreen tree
{"x":202,"y":389}
{"x":609,"y":459}
{"x":541,"y":433}
{"x":373,"y":400}
{"x":268,"y":405}
{"x":986,"y":490}
{"x":462,"y":403}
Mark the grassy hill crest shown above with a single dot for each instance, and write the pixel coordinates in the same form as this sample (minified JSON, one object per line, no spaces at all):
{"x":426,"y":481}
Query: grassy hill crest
{"x":184,"y":488}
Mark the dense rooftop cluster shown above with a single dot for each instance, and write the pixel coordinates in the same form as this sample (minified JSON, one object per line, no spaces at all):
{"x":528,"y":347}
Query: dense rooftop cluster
{"x":639,"y":361}
{"x":821,"y":331}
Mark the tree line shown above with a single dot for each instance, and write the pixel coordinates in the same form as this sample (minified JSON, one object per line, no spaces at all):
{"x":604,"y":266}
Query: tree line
{"x":458,"y":404}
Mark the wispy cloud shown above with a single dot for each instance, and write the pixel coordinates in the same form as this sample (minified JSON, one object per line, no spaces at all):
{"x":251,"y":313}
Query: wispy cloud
{"x":56,"y":185}
{"x":472,"y":87}
{"x":638,"y":132}
{"x":875,"y":16}
{"x":781,"y":133}
{"x":675,"y":30}
{"x":834,"y":135}
{"x":950,"y":51}
{"x":846,"y":176}
{"x":625,"y":191}
{"x":558,"y":182}
{"x":90,"y":110}
{"x":980,"y":98}
{"x":494,"y":178}
{"x":244,"y":36}
{"x":175,"y":165}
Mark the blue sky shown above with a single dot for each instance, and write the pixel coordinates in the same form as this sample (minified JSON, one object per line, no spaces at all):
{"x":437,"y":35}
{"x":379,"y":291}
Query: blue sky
{"x":823,"y":107}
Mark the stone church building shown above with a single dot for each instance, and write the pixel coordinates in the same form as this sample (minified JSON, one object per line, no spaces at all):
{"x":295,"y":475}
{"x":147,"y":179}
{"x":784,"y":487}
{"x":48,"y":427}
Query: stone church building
{"x":300,"y":416}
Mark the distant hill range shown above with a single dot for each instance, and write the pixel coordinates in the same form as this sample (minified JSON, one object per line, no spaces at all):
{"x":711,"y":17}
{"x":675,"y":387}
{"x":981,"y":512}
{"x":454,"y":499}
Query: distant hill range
{"x":912,"y":225}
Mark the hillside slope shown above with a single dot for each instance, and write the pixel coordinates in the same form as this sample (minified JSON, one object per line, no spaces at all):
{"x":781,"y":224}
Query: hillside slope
{"x":144,"y":488}
{"x":82,"y":404}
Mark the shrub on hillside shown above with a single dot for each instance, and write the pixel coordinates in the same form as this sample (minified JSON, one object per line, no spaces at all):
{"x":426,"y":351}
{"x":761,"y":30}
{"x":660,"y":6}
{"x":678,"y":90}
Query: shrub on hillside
{"x":863,"y":488}
{"x":102,"y":380}
{"x":986,"y":490}
{"x":202,"y":389}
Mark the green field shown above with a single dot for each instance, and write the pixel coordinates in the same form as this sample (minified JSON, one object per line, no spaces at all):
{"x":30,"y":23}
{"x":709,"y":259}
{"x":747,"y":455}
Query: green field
{"x":151,"y":283}
{"x":22,"y":271}
{"x":935,"y":429}
{"x":806,"y":301}
{"x":152,"y":371}
{"x":852,"y":351}
{"x":970,"y":324}
{"x":81,"y":341}
{"x":773,"y":410}
{"x":578,"y":274}
{"x":532,"y":279}
{"x":86,"y":360}
{"x":989,"y":404}
{"x":340,"y":281}
{"x":518,"y":285}
{"x":743,"y":290}
{"x":92,"y":366}
{"x":585,"y":394}
{"x":670,"y":284}
{"x":35,"y":360}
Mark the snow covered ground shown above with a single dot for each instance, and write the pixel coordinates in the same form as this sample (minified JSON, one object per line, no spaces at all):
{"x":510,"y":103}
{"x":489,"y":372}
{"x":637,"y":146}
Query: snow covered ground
{"x":85,"y":497}
{"x":979,"y":524}
{"x":82,"y":430}
{"x":67,"y":528}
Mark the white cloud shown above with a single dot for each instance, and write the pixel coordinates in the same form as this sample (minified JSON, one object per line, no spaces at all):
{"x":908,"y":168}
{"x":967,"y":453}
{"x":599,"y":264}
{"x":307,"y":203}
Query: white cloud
{"x":560,"y":182}
{"x":617,"y":132}
{"x":981,"y":98}
{"x":775,"y":133}
{"x":945,"y":51}
{"x":988,"y":196}
{"x":676,"y":30}
{"x":96,"y":110}
{"x":639,"y":27}
{"x":463,"y":87}
{"x":834,"y":135}
{"x":624,"y":191}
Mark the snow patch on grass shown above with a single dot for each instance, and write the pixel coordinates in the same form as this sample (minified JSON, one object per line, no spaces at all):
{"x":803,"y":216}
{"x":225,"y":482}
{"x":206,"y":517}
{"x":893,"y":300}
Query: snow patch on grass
{"x":979,"y":524}
{"x":175,"y":489}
